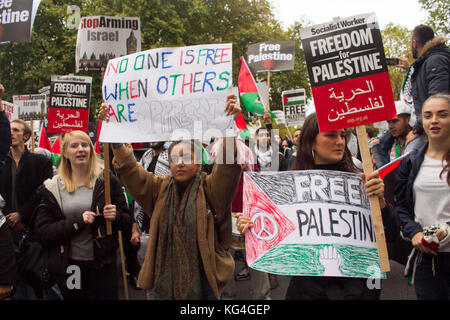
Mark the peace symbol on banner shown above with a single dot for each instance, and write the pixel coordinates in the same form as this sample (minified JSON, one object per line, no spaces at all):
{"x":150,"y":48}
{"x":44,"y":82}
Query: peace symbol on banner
{"x":263,"y":230}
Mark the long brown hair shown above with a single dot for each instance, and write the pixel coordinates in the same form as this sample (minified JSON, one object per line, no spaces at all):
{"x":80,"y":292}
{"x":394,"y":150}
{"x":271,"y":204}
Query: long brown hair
{"x":305,"y":159}
{"x":446,"y":158}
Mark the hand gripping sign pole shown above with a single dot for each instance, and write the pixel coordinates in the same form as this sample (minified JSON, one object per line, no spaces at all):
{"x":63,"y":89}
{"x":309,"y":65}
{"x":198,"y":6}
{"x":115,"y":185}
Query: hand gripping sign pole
{"x":374,"y":201}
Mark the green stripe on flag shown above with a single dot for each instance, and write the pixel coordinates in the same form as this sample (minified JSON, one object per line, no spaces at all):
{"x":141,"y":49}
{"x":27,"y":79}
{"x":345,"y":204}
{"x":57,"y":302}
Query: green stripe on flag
{"x":249,"y":99}
{"x":55,"y":159}
{"x":294,"y":103}
{"x":245,"y":134}
{"x":205,"y":157}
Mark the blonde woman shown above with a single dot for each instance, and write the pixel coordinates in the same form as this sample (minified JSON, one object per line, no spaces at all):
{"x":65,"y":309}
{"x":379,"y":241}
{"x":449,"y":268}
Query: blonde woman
{"x":71,"y":223}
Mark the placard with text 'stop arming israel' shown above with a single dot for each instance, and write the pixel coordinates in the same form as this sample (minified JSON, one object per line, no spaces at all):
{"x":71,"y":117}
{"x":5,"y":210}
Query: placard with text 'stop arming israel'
{"x":102,"y":38}
{"x":348,"y":72}
{"x":310,"y":223}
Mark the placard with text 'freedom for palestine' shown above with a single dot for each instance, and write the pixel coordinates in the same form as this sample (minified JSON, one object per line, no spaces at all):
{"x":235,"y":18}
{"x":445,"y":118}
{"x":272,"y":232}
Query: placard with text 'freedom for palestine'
{"x":348,"y":72}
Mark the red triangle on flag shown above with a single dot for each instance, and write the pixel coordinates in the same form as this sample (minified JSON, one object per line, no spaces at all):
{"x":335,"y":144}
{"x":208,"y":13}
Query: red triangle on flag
{"x":240,"y":123}
{"x":265,"y":215}
{"x":391,"y":166}
{"x":44,"y":142}
{"x":97,"y":143}
{"x":56,"y":147}
{"x":246,"y":82}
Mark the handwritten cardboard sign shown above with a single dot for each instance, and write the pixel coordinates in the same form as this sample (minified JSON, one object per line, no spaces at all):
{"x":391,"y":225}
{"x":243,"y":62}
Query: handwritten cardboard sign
{"x":101,"y":38}
{"x":167,"y":93}
{"x":69,"y":104}
{"x":312,"y":222}
{"x":348,"y":72}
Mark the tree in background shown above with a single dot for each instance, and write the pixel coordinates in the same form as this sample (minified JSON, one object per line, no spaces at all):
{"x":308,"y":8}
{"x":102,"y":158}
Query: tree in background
{"x":438,"y":15}
{"x":396,"y":42}
{"x":27,"y":67}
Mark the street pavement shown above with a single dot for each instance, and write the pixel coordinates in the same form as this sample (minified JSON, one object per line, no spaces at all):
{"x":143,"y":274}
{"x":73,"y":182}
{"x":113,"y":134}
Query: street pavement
{"x":394,"y":287}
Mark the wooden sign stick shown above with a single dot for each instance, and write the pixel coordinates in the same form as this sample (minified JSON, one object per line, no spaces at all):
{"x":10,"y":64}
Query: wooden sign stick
{"x":107,"y":185}
{"x":374,"y":201}
{"x":32,"y":135}
{"x":107,"y":178}
{"x":108,"y":223}
{"x":122,"y":260}
{"x":268,"y":90}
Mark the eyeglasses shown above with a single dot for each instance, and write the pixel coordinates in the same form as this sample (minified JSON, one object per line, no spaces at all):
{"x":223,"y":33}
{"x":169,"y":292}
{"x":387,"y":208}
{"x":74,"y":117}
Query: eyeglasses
{"x":185,"y":158}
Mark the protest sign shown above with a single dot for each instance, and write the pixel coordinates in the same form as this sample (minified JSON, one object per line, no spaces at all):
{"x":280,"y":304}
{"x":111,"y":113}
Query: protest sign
{"x":168,"y":93}
{"x":16,"y":19}
{"x":271,"y":56}
{"x":11,"y":111}
{"x":31,"y":106}
{"x":294,"y":106}
{"x":348,"y":72}
{"x":280,"y":119}
{"x":45,"y":90}
{"x":101,"y":38}
{"x":69,"y":103}
{"x":311,"y":222}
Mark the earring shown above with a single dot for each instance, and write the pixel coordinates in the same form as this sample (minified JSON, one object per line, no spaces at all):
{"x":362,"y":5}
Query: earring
{"x":313,"y":155}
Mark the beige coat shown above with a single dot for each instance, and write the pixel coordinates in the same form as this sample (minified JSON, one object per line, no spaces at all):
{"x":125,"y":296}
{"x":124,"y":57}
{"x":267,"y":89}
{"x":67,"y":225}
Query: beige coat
{"x":213,"y":220}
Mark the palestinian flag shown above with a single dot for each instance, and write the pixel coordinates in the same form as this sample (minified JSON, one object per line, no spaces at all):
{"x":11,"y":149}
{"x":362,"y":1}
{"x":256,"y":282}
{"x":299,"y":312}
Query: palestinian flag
{"x":293,"y":97}
{"x":97,"y":143}
{"x":387,"y":168}
{"x":56,"y":152}
{"x":44,"y":142}
{"x":242,"y":127}
{"x":249,"y":91}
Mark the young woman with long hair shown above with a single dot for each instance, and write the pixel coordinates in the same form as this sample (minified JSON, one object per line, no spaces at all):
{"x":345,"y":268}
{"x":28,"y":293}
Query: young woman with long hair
{"x":422,"y":200}
{"x":71,"y":222}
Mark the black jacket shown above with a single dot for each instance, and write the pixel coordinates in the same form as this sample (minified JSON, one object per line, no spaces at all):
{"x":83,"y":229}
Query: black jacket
{"x":55,"y":231}
{"x":32,"y":171}
{"x":5,"y":137}
{"x":403,"y":195}
{"x":431,"y":75}
{"x":8,"y":270}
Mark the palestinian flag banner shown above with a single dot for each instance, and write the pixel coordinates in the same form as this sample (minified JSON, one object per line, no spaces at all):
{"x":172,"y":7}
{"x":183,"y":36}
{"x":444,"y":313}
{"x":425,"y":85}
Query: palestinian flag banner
{"x":391,"y":166}
{"x":249,"y":92}
{"x":44,"y":142}
{"x":294,"y":106}
{"x":56,"y":152}
{"x":294,"y":97}
{"x":97,"y":142}
{"x":242,"y":127}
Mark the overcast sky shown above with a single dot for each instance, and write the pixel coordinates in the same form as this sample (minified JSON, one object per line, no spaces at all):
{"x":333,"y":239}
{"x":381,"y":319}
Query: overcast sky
{"x":407,"y":13}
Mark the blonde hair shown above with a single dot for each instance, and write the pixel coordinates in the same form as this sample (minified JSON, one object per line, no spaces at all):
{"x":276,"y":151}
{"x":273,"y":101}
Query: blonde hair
{"x":65,"y":168}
